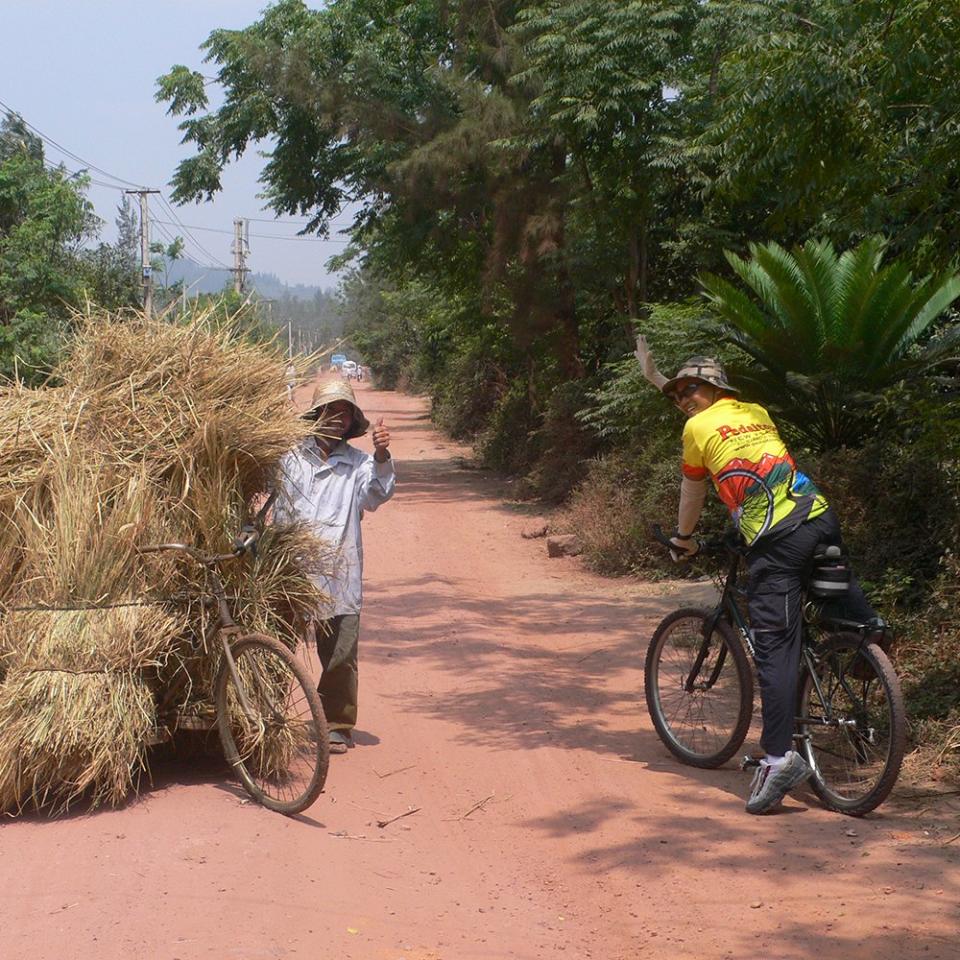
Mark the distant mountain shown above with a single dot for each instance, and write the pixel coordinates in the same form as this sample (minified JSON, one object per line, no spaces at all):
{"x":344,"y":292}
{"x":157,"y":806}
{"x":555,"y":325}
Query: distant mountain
{"x":271,"y":287}
{"x":200,"y":279}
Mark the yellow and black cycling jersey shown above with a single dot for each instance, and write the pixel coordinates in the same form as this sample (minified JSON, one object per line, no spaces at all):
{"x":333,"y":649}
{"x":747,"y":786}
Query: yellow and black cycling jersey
{"x":738,"y":446}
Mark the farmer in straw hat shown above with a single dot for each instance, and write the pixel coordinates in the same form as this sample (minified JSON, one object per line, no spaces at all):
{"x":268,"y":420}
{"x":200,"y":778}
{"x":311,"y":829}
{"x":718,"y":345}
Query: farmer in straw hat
{"x":328,"y":484}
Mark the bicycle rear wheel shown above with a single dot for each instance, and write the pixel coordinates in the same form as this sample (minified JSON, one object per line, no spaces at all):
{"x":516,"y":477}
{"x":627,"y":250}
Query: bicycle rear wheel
{"x":699,"y":690}
{"x":852,"y":724}
{"x":272,"y":726}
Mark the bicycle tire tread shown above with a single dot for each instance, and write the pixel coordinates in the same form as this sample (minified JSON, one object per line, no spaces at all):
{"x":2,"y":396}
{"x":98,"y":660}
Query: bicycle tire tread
{"x":745,"y":677}
{"x":318,"y":779}
{"x":898,"y":721}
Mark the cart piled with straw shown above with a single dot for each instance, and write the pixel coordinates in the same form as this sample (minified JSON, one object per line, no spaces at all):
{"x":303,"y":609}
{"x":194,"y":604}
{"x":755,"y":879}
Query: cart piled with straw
{"x":154,"y":432}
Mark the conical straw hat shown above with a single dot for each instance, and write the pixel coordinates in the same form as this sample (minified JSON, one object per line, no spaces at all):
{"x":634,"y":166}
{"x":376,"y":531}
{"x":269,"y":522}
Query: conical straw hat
{"x":330,"y":391}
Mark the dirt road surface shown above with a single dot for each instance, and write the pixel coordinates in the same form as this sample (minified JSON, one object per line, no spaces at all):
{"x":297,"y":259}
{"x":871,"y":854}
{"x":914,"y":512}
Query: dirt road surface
{"x":501,"y":698}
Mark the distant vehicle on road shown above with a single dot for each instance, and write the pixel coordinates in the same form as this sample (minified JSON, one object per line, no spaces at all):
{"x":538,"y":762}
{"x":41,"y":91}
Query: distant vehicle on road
{"x":337,"y":359}
{"x":348,"y":369}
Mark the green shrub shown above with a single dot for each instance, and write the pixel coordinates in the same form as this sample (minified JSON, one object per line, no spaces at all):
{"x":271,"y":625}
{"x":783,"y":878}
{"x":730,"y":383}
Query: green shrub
{"x":466,"y":387}
{"x":505,"y":442}
{"x":898,"y":497}
{"x":624,"y":493}
{"x":562,"y":447}
{"x":624,"y":408}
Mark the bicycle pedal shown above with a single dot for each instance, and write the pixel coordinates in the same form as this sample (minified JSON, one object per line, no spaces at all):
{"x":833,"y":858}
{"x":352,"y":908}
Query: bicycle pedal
{"x":749,"y":763}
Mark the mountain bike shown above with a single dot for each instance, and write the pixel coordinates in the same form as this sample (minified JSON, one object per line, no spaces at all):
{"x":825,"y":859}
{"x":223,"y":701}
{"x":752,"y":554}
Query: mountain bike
{"x":851,"y":721}
{"x":267,"y":710}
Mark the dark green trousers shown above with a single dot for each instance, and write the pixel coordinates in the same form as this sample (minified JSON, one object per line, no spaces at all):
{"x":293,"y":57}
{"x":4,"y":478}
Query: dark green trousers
{"x":338,"y":686}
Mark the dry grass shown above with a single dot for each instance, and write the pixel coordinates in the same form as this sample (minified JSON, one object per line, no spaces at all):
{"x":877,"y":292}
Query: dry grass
{"x":156,"y":432}
{"x":75,"y":707}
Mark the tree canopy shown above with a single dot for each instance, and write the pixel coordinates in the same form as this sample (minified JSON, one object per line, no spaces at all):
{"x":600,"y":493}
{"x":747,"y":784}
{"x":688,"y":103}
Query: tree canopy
{"x":557,"y":167}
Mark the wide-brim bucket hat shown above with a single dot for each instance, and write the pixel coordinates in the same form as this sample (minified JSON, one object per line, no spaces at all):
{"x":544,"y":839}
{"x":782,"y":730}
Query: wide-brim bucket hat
{"x":330,"y":391}
{"x":704,"y":369}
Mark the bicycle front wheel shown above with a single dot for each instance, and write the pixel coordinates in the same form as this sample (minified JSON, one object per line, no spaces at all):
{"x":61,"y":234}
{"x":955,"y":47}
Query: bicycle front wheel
{"x":699,"y":688}
{"x":852,"y":724}
{"x":271,"y":725}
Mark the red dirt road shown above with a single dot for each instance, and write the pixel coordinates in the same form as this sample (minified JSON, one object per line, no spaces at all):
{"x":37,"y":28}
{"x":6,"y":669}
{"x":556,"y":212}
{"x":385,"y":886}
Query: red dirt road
{"x":501,"y":696}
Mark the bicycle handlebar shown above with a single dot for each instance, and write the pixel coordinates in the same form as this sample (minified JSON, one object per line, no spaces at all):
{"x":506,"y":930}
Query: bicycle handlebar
{"x":714,"y":547}
{"x":207,"y":559}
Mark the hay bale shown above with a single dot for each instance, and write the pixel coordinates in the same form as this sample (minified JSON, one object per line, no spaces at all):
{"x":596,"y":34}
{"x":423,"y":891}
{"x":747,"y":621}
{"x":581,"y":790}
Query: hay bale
{"x":156,"y":432}
{"x":76,"y":709}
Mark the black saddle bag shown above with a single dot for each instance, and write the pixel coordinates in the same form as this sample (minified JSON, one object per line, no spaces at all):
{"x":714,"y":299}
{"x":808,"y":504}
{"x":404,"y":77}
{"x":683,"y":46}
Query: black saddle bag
{"x":830,"y":575}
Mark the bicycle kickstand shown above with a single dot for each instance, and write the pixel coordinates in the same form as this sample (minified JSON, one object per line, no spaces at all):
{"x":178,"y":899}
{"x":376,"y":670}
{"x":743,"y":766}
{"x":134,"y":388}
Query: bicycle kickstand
{"x":749,"y":762}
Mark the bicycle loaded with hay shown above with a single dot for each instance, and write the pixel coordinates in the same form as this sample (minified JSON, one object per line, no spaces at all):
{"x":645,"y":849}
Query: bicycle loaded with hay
{"x":166,"y":435}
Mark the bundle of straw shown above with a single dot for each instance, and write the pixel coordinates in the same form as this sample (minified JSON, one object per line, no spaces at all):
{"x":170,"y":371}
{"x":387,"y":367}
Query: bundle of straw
{"x":76,"y":710}
{"x":155,"y":432}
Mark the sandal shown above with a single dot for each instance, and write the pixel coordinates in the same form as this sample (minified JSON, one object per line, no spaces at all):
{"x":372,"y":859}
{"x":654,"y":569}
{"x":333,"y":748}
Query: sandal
{"x":340,"y":741}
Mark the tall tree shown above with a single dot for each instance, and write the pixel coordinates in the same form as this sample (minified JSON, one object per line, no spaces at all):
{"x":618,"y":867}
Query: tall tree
{"x":857,"y":107}
{"x":402,"y":108}
{"x":601,"y":76}
{"x":44,"y":218}
{"x":128,"y":232}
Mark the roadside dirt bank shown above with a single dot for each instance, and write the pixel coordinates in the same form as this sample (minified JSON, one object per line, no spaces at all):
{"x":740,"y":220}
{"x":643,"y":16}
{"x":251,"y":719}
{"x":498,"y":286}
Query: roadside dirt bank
{"x":501,"y":696}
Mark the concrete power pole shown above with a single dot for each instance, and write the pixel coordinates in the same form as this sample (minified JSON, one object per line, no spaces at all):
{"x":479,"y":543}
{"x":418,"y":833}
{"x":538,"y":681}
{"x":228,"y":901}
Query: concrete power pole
{"x":146,"y":271}
{"x":240,"y":249}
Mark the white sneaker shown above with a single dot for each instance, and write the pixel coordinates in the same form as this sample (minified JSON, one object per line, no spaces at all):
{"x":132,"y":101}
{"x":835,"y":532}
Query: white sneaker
{"x":772,"y":783}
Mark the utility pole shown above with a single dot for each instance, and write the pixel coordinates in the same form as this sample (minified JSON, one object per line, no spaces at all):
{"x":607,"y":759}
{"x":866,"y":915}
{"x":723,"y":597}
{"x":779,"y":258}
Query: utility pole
{"x":240,"y":249}
{"x":147,"y":273}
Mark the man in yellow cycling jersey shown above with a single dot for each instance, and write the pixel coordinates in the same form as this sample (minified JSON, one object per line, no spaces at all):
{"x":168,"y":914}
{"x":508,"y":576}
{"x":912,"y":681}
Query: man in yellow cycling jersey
{"x":782,"y":518}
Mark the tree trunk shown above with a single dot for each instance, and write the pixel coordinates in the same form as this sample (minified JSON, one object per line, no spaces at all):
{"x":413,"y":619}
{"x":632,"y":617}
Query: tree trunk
{"x":568,"y":330}
{"x":633,"y":271}
{"x":643,"y":270}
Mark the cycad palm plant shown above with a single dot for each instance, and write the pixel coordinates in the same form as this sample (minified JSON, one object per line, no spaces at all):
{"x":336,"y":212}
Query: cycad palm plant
{"x":827,"y":333}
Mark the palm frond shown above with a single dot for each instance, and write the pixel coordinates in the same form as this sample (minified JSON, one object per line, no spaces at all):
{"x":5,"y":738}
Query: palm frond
{"x":857,"y":278}
{"x":830,"y":331}
{"x":818,"y":263}
{"x":932,"y":300}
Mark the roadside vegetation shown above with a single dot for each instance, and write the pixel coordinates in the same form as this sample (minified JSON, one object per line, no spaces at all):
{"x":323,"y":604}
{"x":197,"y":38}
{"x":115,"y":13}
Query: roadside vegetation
{"x":535,"y":181}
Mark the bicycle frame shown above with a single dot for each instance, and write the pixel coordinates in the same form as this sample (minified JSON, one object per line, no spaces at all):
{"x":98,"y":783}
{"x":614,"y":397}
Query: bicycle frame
{"x":728,"y":610}
{"x":226,"y":625}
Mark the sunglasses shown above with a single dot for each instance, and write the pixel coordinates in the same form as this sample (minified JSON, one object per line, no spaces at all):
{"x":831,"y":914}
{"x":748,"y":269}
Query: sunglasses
{"x":688,"y":391}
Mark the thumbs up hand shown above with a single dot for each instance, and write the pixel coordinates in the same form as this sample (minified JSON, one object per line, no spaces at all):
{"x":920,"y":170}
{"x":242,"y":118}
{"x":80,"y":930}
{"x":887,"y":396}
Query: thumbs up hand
{"x":381,"y":440}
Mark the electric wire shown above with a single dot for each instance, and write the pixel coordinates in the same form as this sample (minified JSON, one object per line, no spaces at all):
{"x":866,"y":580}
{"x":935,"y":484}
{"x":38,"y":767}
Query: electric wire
{"x":73,"y":156}
{"x":92,"y":166}
{"x":171,"y":239}
{"x":62,"y":168}
{"x":263,"y":236}
{"x":178,"y":222}
{"x":294,"y":223}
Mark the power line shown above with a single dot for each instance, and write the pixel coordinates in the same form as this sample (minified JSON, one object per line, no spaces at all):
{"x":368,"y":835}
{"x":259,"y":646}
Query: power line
{"x":171,"y":239}
{"x":92,"y":166}
{"x":275,"y":236}
{"x":260,"y":236}
{"x":294,"y":223}
{"x":178,"y":222}
{"x":61,"y":167}
{"x":73,"y":156}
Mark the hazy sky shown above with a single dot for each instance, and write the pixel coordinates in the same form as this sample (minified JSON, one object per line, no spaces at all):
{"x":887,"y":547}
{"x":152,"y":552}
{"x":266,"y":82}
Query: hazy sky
{"x":83,"y":72}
